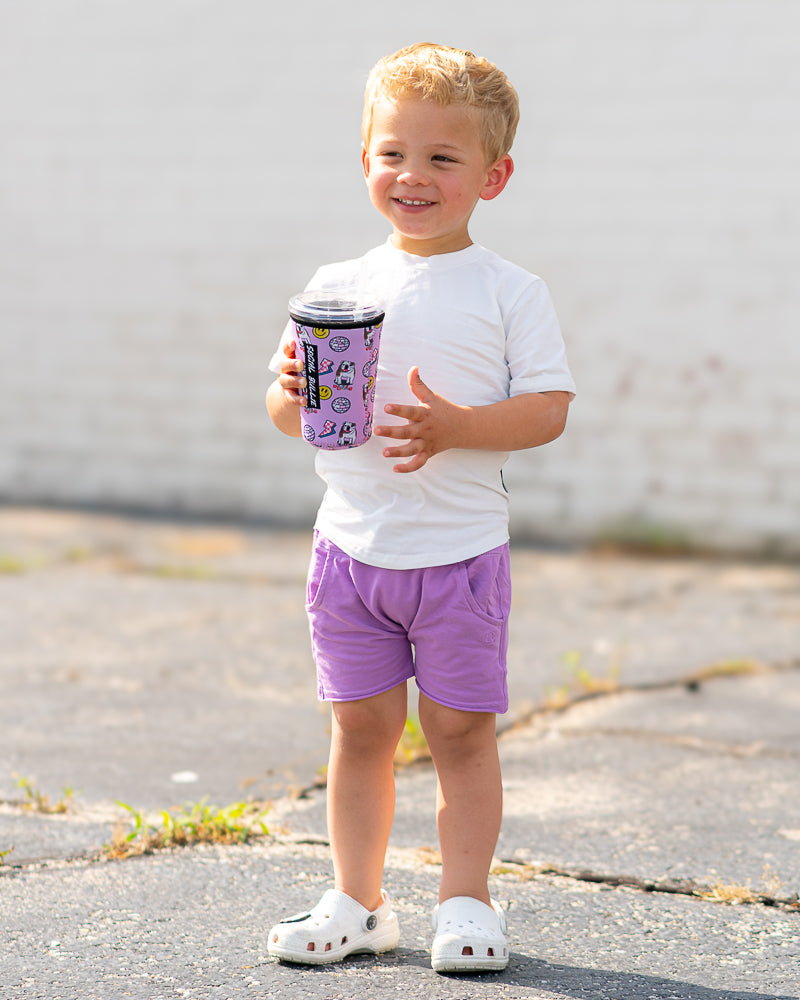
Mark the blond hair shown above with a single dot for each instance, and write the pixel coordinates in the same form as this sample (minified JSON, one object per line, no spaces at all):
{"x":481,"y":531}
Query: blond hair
{"x":448,"y":76}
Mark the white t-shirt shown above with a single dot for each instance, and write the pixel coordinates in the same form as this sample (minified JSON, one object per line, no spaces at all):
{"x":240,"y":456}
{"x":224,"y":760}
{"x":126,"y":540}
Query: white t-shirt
{"x":480,"y":329}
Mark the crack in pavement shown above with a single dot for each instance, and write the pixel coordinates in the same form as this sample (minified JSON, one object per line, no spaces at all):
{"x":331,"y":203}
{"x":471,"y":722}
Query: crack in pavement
{"x":742,"y":750}
{"x":691,"y":681}
{"x":731,"y":894}
{"x":720,"y":894}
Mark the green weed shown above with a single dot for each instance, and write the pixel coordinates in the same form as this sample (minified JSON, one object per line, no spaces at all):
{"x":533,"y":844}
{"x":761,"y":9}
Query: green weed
{"x":646,"y":539}
{"x":728,"y":668}
{"x":413,"y":745}
{"x":36,"y":801}
{"x":77,"y":554}
{"x":13,"y":565}
{"x":582,"y":681}
{"x":182,"y":571}
{"x":194,"y":823}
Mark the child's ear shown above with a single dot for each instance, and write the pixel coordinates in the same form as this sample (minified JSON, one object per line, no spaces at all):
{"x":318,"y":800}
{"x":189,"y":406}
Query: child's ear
{"x":497,"y":177}
{"x":365,"y":161}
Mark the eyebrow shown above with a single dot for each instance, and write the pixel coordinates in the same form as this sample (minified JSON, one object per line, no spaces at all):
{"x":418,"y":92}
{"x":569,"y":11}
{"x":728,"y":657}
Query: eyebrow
{"x":392,"y":140}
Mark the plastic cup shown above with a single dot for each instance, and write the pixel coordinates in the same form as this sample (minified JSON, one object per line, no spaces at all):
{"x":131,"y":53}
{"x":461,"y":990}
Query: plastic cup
{"x":338,"y":336}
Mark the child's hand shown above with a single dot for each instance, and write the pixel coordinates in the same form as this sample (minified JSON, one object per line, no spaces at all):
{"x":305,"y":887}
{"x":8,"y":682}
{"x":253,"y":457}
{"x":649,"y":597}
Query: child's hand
{"x":291,"y":381}
{"x":284,"y":396}
{"x":432,"y":426}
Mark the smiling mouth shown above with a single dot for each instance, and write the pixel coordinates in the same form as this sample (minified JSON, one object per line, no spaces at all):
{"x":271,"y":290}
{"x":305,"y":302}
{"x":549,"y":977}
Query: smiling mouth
{"x":414,"y":203}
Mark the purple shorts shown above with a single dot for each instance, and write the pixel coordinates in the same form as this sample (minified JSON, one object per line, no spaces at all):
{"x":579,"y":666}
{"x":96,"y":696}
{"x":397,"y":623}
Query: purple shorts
{"x":447,"y":626}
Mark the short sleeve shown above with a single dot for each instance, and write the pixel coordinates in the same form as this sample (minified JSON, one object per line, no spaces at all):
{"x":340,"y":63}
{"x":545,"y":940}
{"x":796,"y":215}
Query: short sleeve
{"x":535,"y":350}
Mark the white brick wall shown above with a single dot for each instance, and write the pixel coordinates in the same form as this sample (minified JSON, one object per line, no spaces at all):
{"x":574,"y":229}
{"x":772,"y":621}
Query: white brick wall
{"x":172,"y":171}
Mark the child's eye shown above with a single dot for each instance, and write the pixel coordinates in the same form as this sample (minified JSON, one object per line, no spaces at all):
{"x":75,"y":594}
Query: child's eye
{"x":389,"y":153}
{"x":441,"y":158}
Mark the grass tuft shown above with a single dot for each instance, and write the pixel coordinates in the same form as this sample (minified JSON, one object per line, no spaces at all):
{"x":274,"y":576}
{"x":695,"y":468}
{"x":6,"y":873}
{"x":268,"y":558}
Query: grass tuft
{"x":413,"y":746}
{"x":193,"y":823}
{"x":36,"y":801}
{"x":13,"y":565}
{"x":582,"y":682}
{"x":731,"y":893}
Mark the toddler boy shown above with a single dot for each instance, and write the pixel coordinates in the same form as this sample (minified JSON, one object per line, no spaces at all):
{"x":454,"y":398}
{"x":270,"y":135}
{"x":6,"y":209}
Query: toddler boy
{"x":409,"y":572}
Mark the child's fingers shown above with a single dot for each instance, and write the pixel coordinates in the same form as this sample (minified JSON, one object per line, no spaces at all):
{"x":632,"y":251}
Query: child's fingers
{"x":405,"y":411}
{"x":293,"y":386}
{"x":400,"y":432}
{"x":403,"y":451}
{"x":291,"y":379}
{"x":416,"y":463}
{"x":291,"y":366}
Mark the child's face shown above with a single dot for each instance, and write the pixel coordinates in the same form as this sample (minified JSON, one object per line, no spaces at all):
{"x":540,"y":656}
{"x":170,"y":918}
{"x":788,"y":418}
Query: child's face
{"x":426,"y":171}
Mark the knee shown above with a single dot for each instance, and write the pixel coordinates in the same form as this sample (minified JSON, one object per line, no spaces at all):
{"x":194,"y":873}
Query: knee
{"x":364,"y":724}
{"x":448,"y":727}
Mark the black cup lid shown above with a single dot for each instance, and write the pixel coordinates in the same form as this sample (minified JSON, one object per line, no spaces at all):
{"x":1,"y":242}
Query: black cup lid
{"x":333,"y":308}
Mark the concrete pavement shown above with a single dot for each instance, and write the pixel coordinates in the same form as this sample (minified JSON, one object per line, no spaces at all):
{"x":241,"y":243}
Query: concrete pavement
{"x":652,"y":817}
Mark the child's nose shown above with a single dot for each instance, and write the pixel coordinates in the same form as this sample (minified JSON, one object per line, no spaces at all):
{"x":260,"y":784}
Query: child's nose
{"x":413,"y":175}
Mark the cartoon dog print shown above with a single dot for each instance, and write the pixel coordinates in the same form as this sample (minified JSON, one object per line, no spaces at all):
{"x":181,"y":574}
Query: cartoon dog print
{"x":347,"y":434}
{"x":345,"y":375}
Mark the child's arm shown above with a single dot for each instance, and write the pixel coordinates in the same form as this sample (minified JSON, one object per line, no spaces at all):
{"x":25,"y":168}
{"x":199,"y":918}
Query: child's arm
{"x":523,"y":421}
{"x":285,"y":395}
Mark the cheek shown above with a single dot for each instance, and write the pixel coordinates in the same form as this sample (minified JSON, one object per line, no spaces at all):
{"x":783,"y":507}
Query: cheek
{"x":464,"y":195}
{"x":378,"y":181}
{"x":374,"y":190}
{"x":377,"y":188}
{"x":456,"y":195}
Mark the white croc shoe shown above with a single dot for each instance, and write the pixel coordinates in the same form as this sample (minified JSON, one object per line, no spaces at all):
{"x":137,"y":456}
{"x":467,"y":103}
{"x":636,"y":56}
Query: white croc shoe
{"x":338,"y":926}
{"x":469,"y":936}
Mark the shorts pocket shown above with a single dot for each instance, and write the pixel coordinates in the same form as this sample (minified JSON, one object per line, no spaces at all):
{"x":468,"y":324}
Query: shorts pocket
{"x":318,"y":572}
{"x":486,"y":585}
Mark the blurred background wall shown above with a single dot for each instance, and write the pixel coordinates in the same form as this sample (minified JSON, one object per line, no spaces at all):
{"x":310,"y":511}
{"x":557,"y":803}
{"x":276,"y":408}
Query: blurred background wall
{"x":172,"y":171}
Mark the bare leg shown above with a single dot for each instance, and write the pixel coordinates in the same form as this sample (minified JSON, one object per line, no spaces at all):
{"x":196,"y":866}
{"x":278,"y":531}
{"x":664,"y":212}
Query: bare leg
{"x":469,"y":795}
{"x":361,"y":794}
